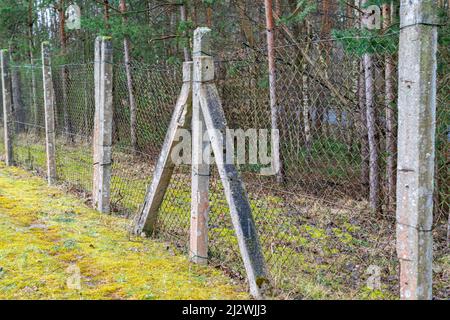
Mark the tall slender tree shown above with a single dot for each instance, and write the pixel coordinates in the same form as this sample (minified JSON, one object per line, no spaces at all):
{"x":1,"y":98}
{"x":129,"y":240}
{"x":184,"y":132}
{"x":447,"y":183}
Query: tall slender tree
{"x":374,"y":175}
{"x":272,"y":88}
{"x":64,"y":71}
{"x":127,"y":60}
{"x":390,"y":115}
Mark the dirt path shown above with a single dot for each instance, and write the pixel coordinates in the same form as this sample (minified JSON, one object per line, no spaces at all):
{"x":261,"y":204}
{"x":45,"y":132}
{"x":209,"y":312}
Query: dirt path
{"x":52,"y":246}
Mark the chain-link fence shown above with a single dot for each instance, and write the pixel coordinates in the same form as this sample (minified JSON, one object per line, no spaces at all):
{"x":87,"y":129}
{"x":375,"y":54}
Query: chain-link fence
{"x":328,"y":230}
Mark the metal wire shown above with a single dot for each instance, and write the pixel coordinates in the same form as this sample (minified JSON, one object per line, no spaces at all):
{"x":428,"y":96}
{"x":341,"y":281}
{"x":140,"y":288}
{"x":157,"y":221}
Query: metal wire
{"x":318,"y":232}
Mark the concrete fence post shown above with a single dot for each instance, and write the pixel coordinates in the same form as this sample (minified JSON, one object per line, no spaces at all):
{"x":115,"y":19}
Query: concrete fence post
{"x":96,"y":160}
{"x":200,"y":169}
{"x":210,"y":104}
{"x":103,"y":128}
{"x":49,"y":109}
{"x":8,"y":121}
{"x":416,"y":146}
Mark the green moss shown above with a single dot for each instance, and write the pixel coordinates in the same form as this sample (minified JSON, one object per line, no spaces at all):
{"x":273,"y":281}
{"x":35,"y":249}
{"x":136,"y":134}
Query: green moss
{"x":44,"y":232}
{"x":343,"y":236}
{"x":375,"y":294}
{"x":315,"y":233}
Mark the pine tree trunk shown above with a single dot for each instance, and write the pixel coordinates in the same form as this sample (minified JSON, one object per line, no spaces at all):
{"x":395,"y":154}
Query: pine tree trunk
{"x":305,"y":95}
{"x":390,"y":130}
{"x":209,"y":13}
{"x":64,"y":73}
{"x":132,"y":101}
{"x":374,"y":176}
{"x":31,"y":57}
{"x":272,"y":89}
{"x":246,"y":26}
{"x":371,"y":133}
{"x":186,"y":49}
{"x":18,"y":105}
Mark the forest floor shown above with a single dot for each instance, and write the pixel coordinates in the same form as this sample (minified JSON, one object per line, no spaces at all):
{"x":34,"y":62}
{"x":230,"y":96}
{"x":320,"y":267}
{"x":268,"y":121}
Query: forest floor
{"x":52,"y":246}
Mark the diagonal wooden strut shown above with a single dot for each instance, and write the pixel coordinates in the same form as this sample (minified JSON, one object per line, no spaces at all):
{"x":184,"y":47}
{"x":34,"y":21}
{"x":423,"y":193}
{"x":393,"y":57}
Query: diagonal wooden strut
{"x":181,"y":119}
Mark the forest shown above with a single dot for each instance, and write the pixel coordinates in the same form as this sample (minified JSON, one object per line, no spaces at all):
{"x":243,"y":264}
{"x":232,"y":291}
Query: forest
{"x":101,"y":90}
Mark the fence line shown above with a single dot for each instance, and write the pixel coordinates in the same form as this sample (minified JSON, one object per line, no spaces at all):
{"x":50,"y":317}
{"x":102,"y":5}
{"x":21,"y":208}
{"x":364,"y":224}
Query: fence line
{"x":317,"y":230}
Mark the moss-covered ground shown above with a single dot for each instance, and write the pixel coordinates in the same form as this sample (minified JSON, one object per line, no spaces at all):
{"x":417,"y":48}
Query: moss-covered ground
{"x":315,"y":249}
{"x":52,"y":246}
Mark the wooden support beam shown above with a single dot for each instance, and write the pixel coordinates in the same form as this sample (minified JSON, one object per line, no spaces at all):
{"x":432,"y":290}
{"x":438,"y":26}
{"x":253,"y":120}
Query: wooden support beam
{"x":146,"y":219}
{"x":8,"y":121}
{"x":49,"y":109}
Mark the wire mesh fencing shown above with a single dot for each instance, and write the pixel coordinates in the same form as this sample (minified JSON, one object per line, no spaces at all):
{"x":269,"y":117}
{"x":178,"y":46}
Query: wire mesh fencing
{"x":28,"y":110}
{"x":328,"y":230}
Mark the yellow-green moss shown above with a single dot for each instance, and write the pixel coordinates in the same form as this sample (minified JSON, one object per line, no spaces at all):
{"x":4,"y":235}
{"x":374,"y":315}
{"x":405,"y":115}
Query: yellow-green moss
{"x":313,"y":249}
{"x":44,"y":232}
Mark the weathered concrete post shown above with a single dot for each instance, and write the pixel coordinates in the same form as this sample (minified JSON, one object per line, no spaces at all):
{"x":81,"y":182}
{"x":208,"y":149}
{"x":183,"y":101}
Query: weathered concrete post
{"x":97,"y":58}
{"x":235,"y":193}
{"x":103,"y":129}
{"x":416,"y":146}
{"x":49,"y":106}
{"x":8,"y":121}
{"x":200,"y":167}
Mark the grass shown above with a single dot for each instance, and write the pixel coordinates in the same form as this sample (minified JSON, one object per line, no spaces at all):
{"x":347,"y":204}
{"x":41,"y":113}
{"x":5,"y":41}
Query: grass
{"x":49,"y":238}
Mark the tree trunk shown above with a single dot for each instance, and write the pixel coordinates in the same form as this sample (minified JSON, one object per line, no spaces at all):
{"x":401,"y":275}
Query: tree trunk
{"x":31,"y":57}
{"x":186,"y":49}
{"x":374,"y":179}
{"x":106,"y":8}
{"x":246,"y":26}
{"x":194,"y":14}
{"x":363,"y":130}
{"x":18,"y":105}
{"x":209,"y":13}
{"x":64,"y":73}
{"x":390,"y":130}
{"x":272,"y":89}
{"x":359,"y":90}
{"x":132,"y":101}
{"x":322,"y":111}
{"x":305,"y":95}
{"x":371,"y":133}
